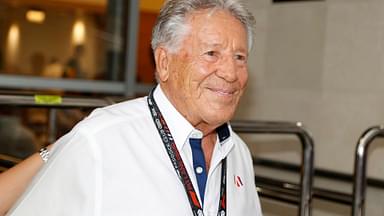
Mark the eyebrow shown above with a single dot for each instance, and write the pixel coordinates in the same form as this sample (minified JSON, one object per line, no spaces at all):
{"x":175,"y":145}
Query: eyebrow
{"x":218,"y":45}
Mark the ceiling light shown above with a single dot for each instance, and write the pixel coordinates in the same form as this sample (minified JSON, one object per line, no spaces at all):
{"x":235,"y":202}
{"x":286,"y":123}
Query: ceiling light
{"x":78,"y":33}
{"x":35,"y":16}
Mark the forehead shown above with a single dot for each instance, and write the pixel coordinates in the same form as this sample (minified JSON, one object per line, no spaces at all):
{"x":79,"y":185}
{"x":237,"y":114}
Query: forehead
{"x":216,"y":26}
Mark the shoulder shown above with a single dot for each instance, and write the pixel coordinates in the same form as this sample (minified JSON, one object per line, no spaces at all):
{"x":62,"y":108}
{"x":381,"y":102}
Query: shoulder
{"x":109,"y":116}
{"x":239,"y":143}
{"x":104,"y":122}
{"x":241,"y":149}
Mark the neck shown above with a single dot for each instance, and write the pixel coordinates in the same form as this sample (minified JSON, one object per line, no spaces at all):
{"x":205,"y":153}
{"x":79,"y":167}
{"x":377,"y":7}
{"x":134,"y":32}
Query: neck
{"x":208,"y":130}
{"x":179,"y":104}
{"x":205,"y":128}
{"x":208,"y":145}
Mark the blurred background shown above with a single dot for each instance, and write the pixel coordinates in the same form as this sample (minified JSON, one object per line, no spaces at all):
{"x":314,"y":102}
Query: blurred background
{"x":319,"y":62}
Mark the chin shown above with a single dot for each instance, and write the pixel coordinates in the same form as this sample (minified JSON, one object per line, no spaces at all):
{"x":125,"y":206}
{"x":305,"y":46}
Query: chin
{"x":219,"y":117}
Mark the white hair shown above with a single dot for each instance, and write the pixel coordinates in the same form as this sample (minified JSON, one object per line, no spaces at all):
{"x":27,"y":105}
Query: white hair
{"x":171,"y":25}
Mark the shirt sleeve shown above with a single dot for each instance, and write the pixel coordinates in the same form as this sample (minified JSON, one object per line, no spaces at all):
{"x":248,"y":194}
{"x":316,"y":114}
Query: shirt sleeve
{"x":69,"y":184}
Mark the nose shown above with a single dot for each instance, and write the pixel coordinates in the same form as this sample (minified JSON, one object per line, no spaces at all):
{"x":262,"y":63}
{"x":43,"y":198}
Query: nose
{"x":227,"y":69}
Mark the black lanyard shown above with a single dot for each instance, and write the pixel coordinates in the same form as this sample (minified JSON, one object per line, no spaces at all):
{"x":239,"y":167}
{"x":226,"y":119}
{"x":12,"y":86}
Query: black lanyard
{"x":179,"y":166}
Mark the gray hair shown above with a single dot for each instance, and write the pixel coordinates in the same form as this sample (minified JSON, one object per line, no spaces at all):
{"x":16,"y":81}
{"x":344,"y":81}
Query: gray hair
{"x":171,"y":24}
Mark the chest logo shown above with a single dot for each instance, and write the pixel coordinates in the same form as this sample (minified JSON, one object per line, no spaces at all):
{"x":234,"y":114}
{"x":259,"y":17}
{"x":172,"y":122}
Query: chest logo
{"x":238,"y":181}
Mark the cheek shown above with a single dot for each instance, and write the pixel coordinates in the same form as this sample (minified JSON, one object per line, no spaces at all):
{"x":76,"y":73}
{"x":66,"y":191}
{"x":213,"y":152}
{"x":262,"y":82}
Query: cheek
{"x":243,"y":77}
{"x":180,"y":73}
{"x":199,"y":72}
{"x":204,"y":75}
{"x":205,"y":67}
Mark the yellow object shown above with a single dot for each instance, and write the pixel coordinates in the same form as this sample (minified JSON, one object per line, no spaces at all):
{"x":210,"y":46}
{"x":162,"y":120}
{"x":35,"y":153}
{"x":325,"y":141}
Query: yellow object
{"x":48,"y":99}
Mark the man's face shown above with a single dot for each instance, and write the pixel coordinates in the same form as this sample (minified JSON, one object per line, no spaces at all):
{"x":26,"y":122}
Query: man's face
{"x":208,"y":74}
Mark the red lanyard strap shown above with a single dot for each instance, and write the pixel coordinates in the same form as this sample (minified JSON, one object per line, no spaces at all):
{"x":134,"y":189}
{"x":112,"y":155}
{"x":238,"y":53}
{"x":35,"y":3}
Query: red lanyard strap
{"x":178,"y":164}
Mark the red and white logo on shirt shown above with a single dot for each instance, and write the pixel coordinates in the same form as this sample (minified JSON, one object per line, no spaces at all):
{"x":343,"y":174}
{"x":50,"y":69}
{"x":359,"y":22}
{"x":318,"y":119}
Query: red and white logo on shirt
{"x":238,"y":181}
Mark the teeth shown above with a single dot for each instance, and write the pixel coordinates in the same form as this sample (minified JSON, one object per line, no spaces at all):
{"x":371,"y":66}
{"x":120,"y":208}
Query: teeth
{"x":224,"y":92}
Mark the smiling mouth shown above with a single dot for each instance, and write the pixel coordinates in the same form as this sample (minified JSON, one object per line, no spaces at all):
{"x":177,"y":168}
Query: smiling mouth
{"x":223,"y":92}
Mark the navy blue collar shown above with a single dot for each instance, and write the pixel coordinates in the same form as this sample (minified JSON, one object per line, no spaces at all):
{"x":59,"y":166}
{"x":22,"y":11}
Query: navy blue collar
{"x":223,"y":132}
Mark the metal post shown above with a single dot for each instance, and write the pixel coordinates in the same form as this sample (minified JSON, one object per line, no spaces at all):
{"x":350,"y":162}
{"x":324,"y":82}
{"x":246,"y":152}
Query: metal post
{"x":131,"y":47}
{"x":115,"y":20}
{"x":306,"y":178}
{"x":307,"y":159}
{"x":360,"y":168}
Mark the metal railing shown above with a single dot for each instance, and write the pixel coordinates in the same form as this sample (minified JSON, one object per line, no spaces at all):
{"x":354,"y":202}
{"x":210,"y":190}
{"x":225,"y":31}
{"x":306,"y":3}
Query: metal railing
{"x":53,"y":101}
{"x":291,"y":190}
{"x":360,"y":168}
{"x":356,"y":200}
{"x":307,"y":158}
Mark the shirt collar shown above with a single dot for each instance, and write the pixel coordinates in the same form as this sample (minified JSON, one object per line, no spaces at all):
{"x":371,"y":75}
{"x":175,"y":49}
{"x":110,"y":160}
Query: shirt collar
{"x":224,"y":139}
{"x":180,"y":128}
{"x":178,"y":125}
{"x":223,"y":132}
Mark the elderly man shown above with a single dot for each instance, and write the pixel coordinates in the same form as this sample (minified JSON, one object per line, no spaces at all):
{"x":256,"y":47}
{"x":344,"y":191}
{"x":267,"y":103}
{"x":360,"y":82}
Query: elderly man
{"x":173,"y":152}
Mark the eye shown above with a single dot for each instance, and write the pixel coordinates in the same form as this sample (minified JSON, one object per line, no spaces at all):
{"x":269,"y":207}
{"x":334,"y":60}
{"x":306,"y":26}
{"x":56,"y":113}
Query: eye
{"x":241,"y":57}
{"x":211,"y":55}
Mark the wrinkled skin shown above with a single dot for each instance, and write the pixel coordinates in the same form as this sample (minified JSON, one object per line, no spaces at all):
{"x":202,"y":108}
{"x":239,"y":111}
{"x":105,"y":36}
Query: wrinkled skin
{"x":206,"y":77}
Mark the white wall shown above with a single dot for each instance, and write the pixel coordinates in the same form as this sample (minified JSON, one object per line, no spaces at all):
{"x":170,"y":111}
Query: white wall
{"x":320,"y":63}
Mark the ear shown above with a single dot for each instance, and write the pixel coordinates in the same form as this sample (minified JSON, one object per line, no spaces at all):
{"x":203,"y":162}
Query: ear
{"x":162,"y":62}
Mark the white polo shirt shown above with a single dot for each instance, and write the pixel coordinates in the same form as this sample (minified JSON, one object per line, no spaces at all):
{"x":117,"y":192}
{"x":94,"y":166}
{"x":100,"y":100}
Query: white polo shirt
{"x":113,"y":163}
